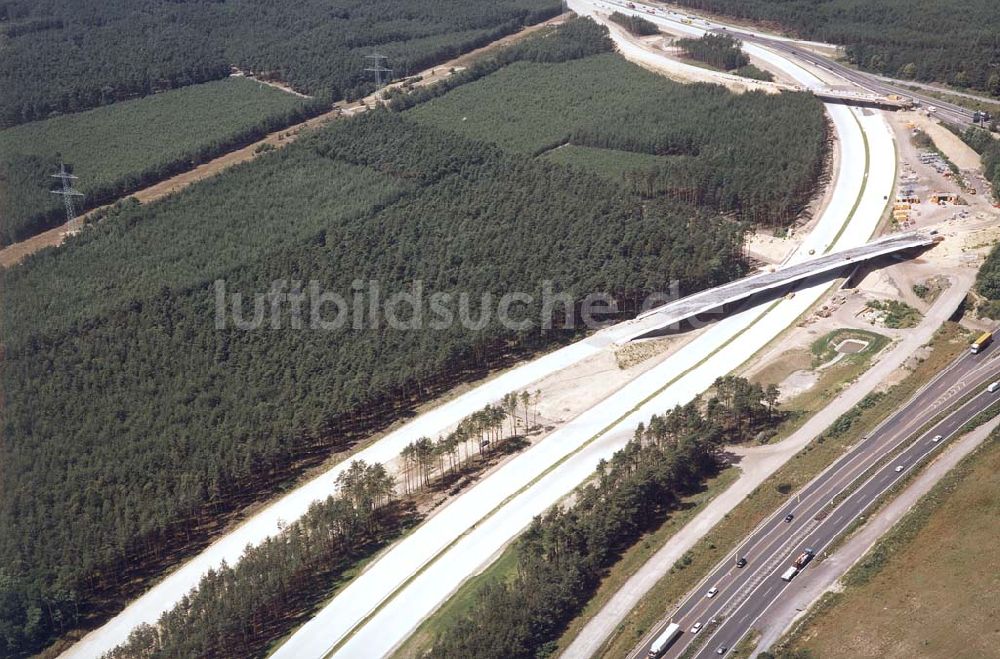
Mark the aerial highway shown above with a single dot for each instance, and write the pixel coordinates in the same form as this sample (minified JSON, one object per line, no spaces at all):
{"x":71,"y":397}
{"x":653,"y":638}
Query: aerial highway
{"x":948,"y":112}
{"x":822,"y":510}
{"x":370,"y":616}
{"x":794,"y":50}
{"x":380,"y":608}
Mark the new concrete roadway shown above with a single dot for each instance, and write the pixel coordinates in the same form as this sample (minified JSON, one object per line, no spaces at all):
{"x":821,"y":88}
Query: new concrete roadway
{"x":947,"y":112}
{"x":819,"y":516}
{"x":548,"y":470}
{"x":382,"y":606}
{"x":758,"y":464}
{"x":795,"y":50}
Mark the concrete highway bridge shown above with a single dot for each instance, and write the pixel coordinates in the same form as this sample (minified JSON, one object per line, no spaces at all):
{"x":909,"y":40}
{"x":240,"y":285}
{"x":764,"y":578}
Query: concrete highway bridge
{"x":949,"y":113}
{"x":656,"y":321}
{"x":863,"y":99}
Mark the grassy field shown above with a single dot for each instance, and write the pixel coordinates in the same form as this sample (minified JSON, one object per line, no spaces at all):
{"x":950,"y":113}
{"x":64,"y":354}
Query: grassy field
{"x":824,"y":348}
{"x":928,"y":588}
{"x":121,"y":147}
{"x":721,"y":540}
{"x":831,"y":380}
{"x":607,"y":115}
{"x":609,"y":163}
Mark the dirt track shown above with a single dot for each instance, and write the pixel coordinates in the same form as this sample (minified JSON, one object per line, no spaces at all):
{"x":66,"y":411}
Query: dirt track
{"x":13,"y":254}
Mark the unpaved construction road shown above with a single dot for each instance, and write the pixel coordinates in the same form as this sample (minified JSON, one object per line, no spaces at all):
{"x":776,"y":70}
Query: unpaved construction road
{"x":381,"y":607}
{"x":13,"y":254}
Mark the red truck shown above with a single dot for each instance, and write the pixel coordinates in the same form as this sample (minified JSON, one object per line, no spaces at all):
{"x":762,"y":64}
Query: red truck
{"x":804,"y":558}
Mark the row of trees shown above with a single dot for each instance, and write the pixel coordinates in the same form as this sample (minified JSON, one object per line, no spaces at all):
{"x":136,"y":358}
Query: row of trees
{"x":238,"y":610}
{"x":757,"y":156}
{"x":76,"y":57}
{"x":637,"y":25}
{"x":930,"y":41}
{"x":180,"y":417}
{"x":563,"y":555}
{"x":117,"y":151}
{"x":176,"y":423}
{"x":479,"y":434}
{"x":988,"y":284}
{"x":719,"y":50}
{"x":989,"y":148}
{"x":988,"y":279}
{"x":241,"y":609}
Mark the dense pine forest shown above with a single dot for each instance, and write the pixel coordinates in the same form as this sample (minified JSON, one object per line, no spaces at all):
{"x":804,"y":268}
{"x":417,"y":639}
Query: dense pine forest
{"x":665,"y":138}
{"x":563,"y":555}
{"x":63,"y":56}
{"x":134,"y":425}
{"x":637,"y":25}
{"x":928,"y":40}
{"x":718,"y":50}
{"x":117,"y":150}
{"x":240,"y":610}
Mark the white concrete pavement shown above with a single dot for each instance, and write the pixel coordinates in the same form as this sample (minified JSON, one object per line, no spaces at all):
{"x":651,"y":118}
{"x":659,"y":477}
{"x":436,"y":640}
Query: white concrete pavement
{"x":165,"y":594}
{"x":229,"y":548}
{"x":766,"y":461}
{"x":381,"y":607}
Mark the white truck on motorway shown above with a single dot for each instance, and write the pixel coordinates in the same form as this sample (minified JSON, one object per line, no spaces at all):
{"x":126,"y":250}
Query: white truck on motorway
{"x":672,"y":631}
{"x":800,"y":562}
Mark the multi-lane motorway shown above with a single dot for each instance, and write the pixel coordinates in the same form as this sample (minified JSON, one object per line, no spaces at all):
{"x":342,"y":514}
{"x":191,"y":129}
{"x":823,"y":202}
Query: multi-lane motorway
{"x":379,"y":609}
{"x":943,"y":110}
{"x":825,"y":508}
{"x":948,"y":112}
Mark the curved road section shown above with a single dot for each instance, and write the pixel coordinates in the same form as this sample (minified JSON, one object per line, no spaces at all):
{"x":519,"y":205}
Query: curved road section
{"x":382,"y":606}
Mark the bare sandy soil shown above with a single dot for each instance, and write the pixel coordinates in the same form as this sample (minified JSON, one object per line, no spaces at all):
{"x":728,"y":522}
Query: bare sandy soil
{"x":15,"y":253}
{"x":277,"y":84}
{"x":957,"y":151}
{"x":969,"y":231}
{"x":765,"y":246}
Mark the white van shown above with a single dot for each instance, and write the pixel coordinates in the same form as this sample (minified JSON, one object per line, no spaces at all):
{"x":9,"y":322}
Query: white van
{"x":993,"y":386}
{"x":790,"y":574}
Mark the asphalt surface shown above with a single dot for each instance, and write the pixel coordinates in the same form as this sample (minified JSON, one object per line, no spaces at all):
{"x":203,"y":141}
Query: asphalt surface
{"x":948,"y":112}
{"x":378,"y":610}
{"x":820,"y":516}
{"x":872,"y":182}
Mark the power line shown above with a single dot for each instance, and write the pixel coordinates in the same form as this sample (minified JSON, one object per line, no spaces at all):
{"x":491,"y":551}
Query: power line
{"x":68,"y":191}
{"x":377,"y":65}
